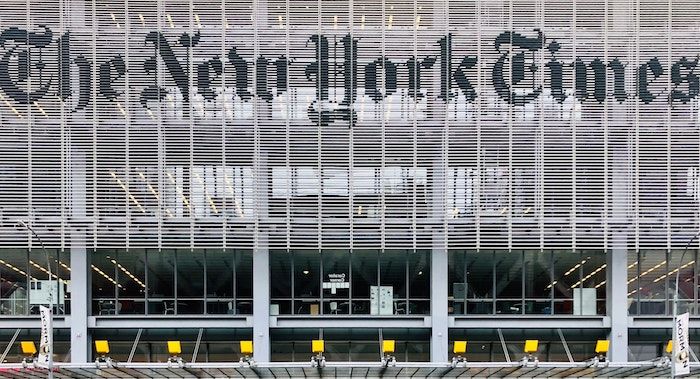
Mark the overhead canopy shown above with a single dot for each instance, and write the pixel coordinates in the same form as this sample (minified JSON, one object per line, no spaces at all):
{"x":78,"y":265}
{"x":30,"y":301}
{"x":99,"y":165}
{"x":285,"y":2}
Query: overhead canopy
{"x":346,"y":369}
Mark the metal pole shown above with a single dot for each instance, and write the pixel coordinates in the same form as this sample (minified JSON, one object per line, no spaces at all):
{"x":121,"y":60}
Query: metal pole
{"x":678,"y":274}
{"x":48,"y":262}
{"x":675,"y":292}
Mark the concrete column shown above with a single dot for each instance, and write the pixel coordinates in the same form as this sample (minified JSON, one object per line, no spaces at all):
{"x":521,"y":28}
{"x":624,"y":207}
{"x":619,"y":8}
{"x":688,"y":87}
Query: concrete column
{"x":261,"y":305}
{"x":438,"y":306}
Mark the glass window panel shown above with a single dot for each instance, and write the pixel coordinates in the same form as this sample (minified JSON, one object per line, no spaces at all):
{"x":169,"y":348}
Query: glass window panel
{"x":190,"y":274}
{"x":161,"y":270}
{"x":161,"y":281}
{"x":392,"y":264}
{"x":307,"y":266}
{"x":633,"y":282}
{"x":479,"y":289}
{"x":456,"y":277}
{"x":62,"y":269}
{"x":508,"y":282}
{"x":190,"y":281}
{"x":567,"y":272}
{"x":538,"y":276}
{"x":593,"y":276}
{"x":45,"y":289}
{"x":103,"y":278}
{"x":13,"y":282}
{"x":244,"y":274}
{"x":219,"y":273}
{"x":131,"y":277}
{"x":280,"y":273}
{"x":652,"y":294}
{"x":686,"y":274}
{"x":419,"y":274}
{"x":364,"y":273}
{"x":336,"y":274}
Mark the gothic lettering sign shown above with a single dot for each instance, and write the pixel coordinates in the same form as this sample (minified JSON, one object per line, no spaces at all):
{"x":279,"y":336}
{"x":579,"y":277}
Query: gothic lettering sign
{"x":528,"y":65}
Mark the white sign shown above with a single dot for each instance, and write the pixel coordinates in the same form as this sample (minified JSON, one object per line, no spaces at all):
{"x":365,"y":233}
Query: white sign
{"x":681,"y":353}
{"x":46,"y":338}
{"x":336,"y":282}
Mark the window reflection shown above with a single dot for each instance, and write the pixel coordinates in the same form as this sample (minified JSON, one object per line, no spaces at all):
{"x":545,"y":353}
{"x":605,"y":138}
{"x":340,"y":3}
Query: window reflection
{"x":527,"y":282}
{"x":25,"y":283}
{"x":651,"y":278}
{"x":14,"y":291}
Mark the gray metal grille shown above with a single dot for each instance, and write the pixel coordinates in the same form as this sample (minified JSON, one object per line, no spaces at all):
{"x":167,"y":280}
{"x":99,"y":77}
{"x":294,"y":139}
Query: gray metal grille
{"x":215,"y":123}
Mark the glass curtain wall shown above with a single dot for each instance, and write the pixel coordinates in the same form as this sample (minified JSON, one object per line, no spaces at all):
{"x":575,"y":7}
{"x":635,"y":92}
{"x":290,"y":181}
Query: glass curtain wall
{"x":25,"y":283}
{"x":335,"y":282}
{"x":216,"y":345}
{"x":484,"y":345}
{"x":537,"y":282}
{"x":651,"y":281}
{"x":350,"y":345}
{"x":168,"y":282}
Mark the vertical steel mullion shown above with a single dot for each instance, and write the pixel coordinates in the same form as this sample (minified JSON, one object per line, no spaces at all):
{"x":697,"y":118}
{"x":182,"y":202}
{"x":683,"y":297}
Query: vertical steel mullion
{"x":223,"y":179}
{"x":65,"y":145}
{"x":256,"y":133}
{"x":115,"y":272}
{"x":205,"y":296}
{"x":493,"y":281}
{"x":319,"y":134}
{"x":551,"y":279}
{"x":383,"y":143}
{"x":95,"y":177}
{"x":351,"y":132}
{"x":669,"y":210}
{"x":176,"y":291}
{"x":522,"y":282}
{"x":465,"y":277}
{"x":288,"y":174}
{"x":350,"y":280}
{"x":574,"y":143}
{"x":292,"y":273}
{"x":146,"y":254}
{"x":476,"y":186}
{"x":636,"y":147}
{"x":190,"y":117}
{"x":234,"y":268}
{"x":407,"y":259}
{"x":127,"y":126}
{"x":30,"y":162}
{"x":161,"y":138}
{"x":320,"y":281}
{"x":509,"y":200}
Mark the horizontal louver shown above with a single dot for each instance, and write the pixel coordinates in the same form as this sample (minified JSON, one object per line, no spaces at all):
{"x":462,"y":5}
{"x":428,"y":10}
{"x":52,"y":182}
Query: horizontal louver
{"x":354,"y":124}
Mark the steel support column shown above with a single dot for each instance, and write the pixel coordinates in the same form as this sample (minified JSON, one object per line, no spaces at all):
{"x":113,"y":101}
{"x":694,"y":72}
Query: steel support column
{"x":261,"y":305}
{"x":79,"y":352}
{"x":617,"y":302}
{"x":438,"y":306}
{"x":79,"y":285}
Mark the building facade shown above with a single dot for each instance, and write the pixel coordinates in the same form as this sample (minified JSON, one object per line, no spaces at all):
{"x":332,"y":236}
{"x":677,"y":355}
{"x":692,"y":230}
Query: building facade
{"x":360,"y":170}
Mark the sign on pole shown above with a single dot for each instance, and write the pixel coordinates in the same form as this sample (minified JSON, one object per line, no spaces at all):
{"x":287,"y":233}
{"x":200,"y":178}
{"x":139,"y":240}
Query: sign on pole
{"x":46,"y":338}
{"x":681,"y":355}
